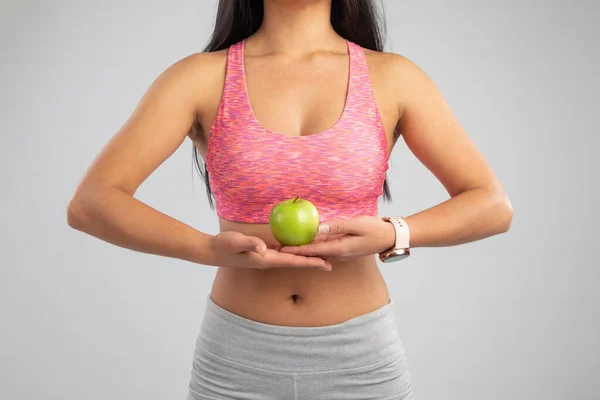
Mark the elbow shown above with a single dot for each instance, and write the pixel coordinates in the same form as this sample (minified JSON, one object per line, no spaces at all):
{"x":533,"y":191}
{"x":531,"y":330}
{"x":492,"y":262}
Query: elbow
{"x":78,"y":209}
{"x":75,"y":218}
{"x":504,"y":213}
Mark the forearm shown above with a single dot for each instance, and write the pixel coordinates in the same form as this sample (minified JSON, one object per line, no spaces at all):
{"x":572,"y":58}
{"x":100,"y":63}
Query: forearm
{"x":469,"y":216}
{"x":117,"y":217}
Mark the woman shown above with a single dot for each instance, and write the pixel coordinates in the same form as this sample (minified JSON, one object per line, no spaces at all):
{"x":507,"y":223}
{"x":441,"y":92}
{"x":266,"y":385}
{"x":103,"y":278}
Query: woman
{"x":294,"y":98}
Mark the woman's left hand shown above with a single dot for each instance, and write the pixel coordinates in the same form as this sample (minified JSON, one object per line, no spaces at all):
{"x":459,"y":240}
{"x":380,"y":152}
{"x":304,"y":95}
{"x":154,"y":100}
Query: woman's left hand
{"x":348,"y":238}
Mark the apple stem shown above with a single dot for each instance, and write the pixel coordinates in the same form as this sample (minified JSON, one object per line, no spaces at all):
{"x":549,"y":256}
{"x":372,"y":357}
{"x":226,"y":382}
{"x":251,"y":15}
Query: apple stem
{"x":297,"y":197}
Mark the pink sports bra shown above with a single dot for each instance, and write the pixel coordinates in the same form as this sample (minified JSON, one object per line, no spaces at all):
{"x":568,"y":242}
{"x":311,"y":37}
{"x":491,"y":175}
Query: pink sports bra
{"x":340,"y":170}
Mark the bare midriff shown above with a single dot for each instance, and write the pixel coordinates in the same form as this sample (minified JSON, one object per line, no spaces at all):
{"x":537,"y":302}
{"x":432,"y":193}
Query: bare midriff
{"x":298,"y":296}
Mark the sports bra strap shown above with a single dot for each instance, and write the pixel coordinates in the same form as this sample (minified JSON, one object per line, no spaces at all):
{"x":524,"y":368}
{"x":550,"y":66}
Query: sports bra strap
{"x":361,"y":93}
{"x":359,"y":99}
{"x":234,"y":88}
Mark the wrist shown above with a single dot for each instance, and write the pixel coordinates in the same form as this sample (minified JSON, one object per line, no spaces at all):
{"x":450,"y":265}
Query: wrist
{"x":389,"y":236}
{"x":400,"y":248}
{"x":200,"y":249}
{"x":208,"y":252}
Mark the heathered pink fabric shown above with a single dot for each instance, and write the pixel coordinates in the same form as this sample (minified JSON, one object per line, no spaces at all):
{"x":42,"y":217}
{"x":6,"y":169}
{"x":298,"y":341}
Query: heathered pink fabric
{"x":340,"y":170}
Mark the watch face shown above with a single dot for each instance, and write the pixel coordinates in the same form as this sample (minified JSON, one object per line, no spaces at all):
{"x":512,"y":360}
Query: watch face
{"x":397,"y":256}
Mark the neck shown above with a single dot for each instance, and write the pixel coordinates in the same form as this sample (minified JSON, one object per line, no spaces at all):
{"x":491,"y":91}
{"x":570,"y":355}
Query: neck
{"x":297,"y":27}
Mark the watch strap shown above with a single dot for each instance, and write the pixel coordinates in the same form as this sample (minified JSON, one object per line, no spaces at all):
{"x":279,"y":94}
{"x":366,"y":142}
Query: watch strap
{"x":402,"y":232}
{"x":401,"y":248}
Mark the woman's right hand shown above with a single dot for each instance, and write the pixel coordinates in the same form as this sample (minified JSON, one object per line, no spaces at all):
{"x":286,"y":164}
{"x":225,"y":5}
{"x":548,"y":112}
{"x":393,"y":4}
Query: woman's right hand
{"x":234,"y":249}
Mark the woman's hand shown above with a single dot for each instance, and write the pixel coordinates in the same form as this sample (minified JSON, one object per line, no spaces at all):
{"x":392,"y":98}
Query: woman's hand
{"x":348,"y":238}
{"x":234,"y":249}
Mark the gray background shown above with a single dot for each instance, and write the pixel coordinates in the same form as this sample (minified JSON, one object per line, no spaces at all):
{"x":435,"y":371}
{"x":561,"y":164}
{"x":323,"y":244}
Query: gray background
{"x":513,"y":316}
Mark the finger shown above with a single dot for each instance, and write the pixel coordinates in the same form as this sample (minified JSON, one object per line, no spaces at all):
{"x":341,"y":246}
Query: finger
{"x":338,"y":226}
{"x":327,"y":238}
{"x":277,"y":247}
{"x":277,"y":259}
{"x":322,"y":249}
{"x":293,"y":260}
{"x":250,"y":243}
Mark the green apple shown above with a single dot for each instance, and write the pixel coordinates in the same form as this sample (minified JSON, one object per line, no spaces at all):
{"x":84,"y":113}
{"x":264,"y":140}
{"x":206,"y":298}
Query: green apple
{"x":294,"y":222}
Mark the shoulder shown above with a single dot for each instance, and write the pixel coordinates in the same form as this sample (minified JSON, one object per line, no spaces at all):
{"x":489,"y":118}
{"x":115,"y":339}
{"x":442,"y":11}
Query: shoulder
{"x":394,"y":68}
{"x":193,"y":72}
{"x":402,"y":78}
{"x":198,"y":78}
{"x":200,"y":68}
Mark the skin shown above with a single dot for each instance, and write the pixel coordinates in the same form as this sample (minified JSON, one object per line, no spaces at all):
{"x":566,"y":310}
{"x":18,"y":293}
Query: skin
{"x":257,"y":278}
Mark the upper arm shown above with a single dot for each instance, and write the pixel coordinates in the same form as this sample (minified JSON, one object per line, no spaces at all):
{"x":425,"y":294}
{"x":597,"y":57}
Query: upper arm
{"x":433,"y":134}
{"x":156,"y":128}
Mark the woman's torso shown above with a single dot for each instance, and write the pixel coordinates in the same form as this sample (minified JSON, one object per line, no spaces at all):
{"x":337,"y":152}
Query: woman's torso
{"x":313,"y":101}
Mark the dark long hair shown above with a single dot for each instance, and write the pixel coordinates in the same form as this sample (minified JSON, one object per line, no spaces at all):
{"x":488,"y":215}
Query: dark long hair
{"x":358,"y":21}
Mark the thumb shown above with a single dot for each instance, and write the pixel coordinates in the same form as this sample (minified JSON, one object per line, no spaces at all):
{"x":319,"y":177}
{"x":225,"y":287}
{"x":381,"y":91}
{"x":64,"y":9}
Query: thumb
{"x":254,"y":244}
{"x":346,"y":226}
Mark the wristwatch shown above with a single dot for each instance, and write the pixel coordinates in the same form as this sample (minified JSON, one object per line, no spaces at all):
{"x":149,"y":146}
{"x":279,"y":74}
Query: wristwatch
{"x":401,"y":248}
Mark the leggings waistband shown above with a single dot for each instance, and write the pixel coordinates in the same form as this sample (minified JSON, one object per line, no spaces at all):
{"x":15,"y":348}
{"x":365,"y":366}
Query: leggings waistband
{"x":360,"y":342}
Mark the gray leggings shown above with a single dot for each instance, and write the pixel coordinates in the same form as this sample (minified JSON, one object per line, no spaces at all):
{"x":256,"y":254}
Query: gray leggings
{"x":361,"y":358}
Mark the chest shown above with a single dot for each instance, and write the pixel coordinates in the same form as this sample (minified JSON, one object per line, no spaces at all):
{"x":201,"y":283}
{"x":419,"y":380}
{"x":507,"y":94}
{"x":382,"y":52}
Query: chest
{"x":297,"y":98}
{"x":333,"y":167}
